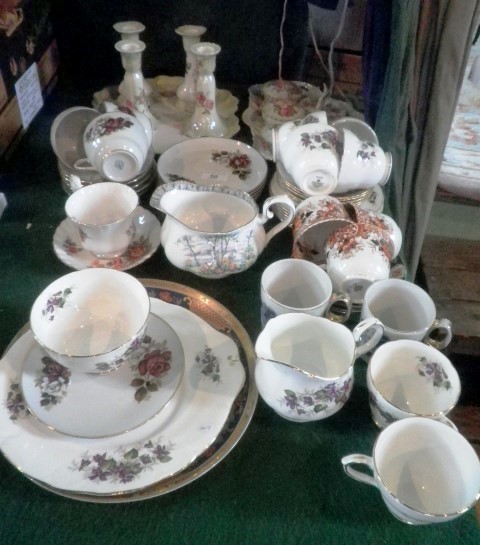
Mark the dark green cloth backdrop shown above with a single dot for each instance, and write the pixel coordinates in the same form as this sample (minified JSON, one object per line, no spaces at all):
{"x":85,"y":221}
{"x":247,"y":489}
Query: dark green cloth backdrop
{"x":282,"y":484}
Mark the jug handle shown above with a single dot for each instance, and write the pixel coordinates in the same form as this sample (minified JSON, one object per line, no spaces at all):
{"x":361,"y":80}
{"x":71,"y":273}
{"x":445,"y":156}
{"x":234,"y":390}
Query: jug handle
{"x":268,"y":214}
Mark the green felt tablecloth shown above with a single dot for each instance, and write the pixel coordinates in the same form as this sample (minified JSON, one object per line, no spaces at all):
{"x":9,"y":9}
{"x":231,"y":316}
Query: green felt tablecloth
{"x":282,"y":484}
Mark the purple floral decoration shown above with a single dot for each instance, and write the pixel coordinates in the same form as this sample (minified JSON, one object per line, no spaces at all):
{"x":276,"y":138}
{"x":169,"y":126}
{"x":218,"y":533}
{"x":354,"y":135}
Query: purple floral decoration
{"x":54,"y":302}
{"x":434,"y":372}
{"x":15,"y":404}
{"x":127,"y":466}
{"x":318,"y":401}
{"x":319,"y":139}
{"x":366,"y":151}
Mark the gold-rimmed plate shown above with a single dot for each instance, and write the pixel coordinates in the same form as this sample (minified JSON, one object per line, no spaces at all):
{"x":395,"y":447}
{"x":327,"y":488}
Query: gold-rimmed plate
{"x":234,"y":426}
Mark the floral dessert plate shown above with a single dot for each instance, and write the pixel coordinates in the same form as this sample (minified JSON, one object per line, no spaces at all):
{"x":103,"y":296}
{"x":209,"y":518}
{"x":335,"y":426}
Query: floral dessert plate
{"x":160,"y":448}
{"x":95,"y":406}
{"x":213,"y":160}
{"x":145,"y":241}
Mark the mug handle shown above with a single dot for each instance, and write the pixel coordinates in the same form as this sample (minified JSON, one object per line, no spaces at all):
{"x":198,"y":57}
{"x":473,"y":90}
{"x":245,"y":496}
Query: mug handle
{"x":354,"y":473}
{"x":440,"y":334}
{"x":268,"y":214}
{"x":364,"y":345}
{"x":83,"y":164}
{"x":339,"y":308}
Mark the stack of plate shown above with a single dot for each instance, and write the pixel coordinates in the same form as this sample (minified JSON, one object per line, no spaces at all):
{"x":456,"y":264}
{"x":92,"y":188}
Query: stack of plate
{"x":219,"y":161}
{"x":72,"y":179}
{"x":169,"y":418}
{"x":281,"y":183}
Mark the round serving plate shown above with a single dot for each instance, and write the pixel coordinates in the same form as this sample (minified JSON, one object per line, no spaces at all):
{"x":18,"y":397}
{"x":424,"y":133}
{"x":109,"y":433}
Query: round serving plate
{"x":243,"y":405}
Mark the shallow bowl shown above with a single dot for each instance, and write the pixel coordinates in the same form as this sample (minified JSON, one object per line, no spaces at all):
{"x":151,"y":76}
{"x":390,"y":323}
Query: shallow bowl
{"x":66,"y":134}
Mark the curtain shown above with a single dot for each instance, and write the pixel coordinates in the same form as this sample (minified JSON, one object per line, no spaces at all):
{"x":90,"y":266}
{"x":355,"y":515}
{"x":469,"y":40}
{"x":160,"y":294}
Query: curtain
{"x":429,"y":44}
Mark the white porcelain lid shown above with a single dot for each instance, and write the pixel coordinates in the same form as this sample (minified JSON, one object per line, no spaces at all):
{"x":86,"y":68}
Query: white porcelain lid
{"x":211,"y":160}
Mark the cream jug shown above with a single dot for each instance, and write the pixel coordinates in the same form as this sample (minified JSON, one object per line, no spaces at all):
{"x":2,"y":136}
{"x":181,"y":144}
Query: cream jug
{"x":214,"y":231}
{"x":304,"y":364}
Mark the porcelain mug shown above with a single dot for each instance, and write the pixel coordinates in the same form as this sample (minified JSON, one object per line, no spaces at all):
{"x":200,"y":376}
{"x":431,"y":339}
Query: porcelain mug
{"x":304,"y":364}
{"x":356,"y":258}
{"x":116,"y":146}
{"x":103,"y":214}
{"x":406,"y":312}
{"x":408,"y":378}
{"x":426,"y":472}
{"x":295,"y":285}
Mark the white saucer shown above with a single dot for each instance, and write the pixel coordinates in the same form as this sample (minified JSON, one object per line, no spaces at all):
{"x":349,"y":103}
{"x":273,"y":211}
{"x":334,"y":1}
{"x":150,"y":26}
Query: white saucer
{"x":375,"y":202}
{"x":146,"y":240}
{"x":96,"y":406}
{"x":212,"y":160}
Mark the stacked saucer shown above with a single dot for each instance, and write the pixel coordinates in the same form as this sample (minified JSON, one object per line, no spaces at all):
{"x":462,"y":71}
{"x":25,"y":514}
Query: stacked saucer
{"x":72,"y":179}
{"x":281,"y":183}
{"x":218,"y":161}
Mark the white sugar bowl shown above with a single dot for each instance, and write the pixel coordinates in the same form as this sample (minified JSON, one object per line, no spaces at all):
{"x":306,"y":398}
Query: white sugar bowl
{"x":88,"y":319}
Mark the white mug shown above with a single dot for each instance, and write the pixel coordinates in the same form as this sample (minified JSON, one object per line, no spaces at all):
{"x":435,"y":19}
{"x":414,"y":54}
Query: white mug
{"x":408,"y":378}
{"x":426,"y":472}
{"x":406,"y":312}
{"x":296,"y":285}
{"x":103,"y":214}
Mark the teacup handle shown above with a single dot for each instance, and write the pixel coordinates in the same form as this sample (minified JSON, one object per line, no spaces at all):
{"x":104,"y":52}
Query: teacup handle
{"x":339,"y":308}
{"x":446,"y":421}
{"x":440,"y":334}
{"x":268,"y":214}
{"x":354,"y":473}
{"x":366,"y":344}
{"x":83,"y":164}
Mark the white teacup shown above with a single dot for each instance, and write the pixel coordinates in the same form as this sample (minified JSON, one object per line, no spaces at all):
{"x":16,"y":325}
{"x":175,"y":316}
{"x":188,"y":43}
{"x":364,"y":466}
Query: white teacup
{"x":406,"y":312}
{"x":426,"y":471}
{"x":116,"y":146}
{"x":357,"y":256}
{"x":295,"y":285}
{"x":103,"y":214}
{"x":363,"y":164}
{"x":308,"y":152}
{"x":304,"y":365}
{"x":408,"y":378}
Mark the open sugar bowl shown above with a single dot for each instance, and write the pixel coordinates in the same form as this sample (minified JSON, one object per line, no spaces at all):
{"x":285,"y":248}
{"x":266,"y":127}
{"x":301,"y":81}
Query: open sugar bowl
{"x":88,"y":319}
